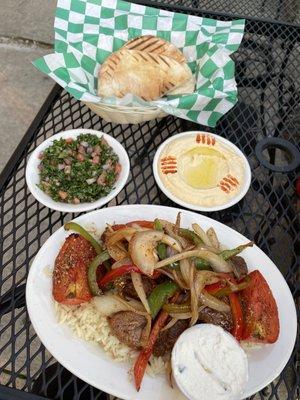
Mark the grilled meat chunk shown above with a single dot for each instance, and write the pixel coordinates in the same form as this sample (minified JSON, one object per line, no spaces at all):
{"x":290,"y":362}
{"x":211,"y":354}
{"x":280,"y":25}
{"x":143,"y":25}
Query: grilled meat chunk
{"x":128,"y":289}
{"x":239,"y":266}
{"x":128,"y":327}
{"x":166,"y":339}
{"x":211,"y":316}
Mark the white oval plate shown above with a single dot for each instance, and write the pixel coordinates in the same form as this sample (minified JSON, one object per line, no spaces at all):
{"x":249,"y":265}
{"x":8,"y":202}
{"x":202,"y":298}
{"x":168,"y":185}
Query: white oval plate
{"x":234,"y":200}
{"x":90,"y":363}
{"x":33,"y":178}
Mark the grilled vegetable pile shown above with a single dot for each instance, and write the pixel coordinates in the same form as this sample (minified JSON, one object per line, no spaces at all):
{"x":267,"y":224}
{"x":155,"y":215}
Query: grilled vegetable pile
{"x":154,"y":279}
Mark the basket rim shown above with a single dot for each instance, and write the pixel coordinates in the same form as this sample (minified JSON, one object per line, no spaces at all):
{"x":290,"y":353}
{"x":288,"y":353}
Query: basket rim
{"x":124,"y":108}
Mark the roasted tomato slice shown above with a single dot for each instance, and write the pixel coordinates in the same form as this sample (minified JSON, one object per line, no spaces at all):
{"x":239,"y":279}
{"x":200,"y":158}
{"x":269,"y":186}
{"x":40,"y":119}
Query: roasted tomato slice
{"x":70,"y":284}
{"x":261,"y":323}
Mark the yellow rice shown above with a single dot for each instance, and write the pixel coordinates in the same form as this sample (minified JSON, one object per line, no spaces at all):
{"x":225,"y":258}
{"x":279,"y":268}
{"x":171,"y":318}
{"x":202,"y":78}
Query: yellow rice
{"x":87,"y":324}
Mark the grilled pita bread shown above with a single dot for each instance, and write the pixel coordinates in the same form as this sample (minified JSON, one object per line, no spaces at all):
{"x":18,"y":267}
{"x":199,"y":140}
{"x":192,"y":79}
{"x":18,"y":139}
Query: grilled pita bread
{"x":147,"y":75}
{"x":155,"y":45}
{"x":187,"y":87}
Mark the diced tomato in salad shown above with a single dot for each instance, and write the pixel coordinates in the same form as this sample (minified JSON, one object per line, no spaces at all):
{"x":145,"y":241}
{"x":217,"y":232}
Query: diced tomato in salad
{"x":118,"y":168}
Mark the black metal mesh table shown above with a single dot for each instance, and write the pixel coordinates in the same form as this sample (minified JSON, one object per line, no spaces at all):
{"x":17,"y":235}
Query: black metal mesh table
{"x":268,"y":76}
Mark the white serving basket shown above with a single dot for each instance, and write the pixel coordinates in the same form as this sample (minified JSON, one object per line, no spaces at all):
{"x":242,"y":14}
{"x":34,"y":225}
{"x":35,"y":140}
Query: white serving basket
{"x":125,"y":114}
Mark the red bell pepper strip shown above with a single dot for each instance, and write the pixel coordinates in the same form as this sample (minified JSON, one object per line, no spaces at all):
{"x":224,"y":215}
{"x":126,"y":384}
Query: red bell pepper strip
{"x":237,"y":316}
{"x":115,"y":273}
{"x":236,"y":308}
{"x":144,"y":356}
{"x":124,"y":269}
{"x":237,"y":312}
{"x":156,"y":274}
{"x":222,"y":288}
{"x":142,"y":224}
{"x":214,"y":288}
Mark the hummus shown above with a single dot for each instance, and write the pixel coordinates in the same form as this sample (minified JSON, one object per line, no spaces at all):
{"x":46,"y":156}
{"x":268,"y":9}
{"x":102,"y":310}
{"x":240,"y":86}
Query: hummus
{"x":201,"y":170}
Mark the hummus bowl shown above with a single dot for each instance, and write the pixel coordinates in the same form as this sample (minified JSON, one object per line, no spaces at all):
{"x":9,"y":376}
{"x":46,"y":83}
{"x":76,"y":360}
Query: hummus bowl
{"x":201,"y":171}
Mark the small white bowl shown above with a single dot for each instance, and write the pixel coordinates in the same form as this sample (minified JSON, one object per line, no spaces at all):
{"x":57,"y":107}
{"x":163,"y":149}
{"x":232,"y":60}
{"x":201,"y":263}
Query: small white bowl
{"x":231,"y":202}
{"x":33,"y":177}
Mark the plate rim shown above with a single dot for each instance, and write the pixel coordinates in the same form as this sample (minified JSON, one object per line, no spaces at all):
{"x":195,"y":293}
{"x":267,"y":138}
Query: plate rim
{"x":194,"y":207}
{"x":74,"y":208}
{"x":113,"y":392}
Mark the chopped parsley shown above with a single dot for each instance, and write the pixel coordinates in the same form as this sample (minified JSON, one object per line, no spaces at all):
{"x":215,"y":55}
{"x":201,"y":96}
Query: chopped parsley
{"x":80,"y":170}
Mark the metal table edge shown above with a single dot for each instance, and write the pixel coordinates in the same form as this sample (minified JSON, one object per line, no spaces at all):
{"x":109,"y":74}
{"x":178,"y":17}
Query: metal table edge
{"x":186,"y":9}
{"x":7,"y":393}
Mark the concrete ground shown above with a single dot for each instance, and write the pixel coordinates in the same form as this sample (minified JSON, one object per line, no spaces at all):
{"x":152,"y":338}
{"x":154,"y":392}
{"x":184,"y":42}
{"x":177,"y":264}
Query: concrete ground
{"x":26,"y":33}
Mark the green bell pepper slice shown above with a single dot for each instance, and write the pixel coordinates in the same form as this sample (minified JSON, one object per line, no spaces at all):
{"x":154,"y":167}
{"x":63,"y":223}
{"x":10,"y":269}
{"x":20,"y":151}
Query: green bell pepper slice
{"x":188,"y":234}
{"x":159,"y":295}
{"x":92,"y":272}
{"x":73,"y":226}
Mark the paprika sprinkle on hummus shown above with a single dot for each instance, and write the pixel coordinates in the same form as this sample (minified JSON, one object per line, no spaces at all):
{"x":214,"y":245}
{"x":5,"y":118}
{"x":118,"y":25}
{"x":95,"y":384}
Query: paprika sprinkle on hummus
{"x":202,"y":169}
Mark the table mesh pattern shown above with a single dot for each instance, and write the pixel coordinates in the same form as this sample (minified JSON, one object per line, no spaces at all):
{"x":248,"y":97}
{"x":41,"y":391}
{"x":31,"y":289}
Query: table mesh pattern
{"x":279,"y":10}
{"x":267,"y":71}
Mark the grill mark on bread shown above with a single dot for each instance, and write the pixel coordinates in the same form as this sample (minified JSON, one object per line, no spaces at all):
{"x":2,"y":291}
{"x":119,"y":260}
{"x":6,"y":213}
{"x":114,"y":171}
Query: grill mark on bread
{"x":115,"y":70}
{"x":169,"y":86}
{"x":143,"y":57}
{"x":110,"y":66}
{"x":157,"y":49}
{"x":155,"y":45}
{"x":147,"y":44}
{"x":128,"y":44}
{"x":153,"y":58}
{"x":164,"y":60}
{"x":161,"y":46}
{"x":143,"y":41}
{"x":138,"y":41}
{"x":136,"y":58}
{"x":133,"y":47}
{"x":114,"y":61}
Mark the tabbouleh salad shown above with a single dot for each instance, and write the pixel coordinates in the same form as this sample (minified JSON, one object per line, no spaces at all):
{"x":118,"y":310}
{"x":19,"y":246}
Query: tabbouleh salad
{"x":78,"y":170}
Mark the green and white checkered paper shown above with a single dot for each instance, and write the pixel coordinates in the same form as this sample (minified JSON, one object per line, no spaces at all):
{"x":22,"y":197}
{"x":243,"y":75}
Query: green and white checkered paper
{"x":88,"y":31}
